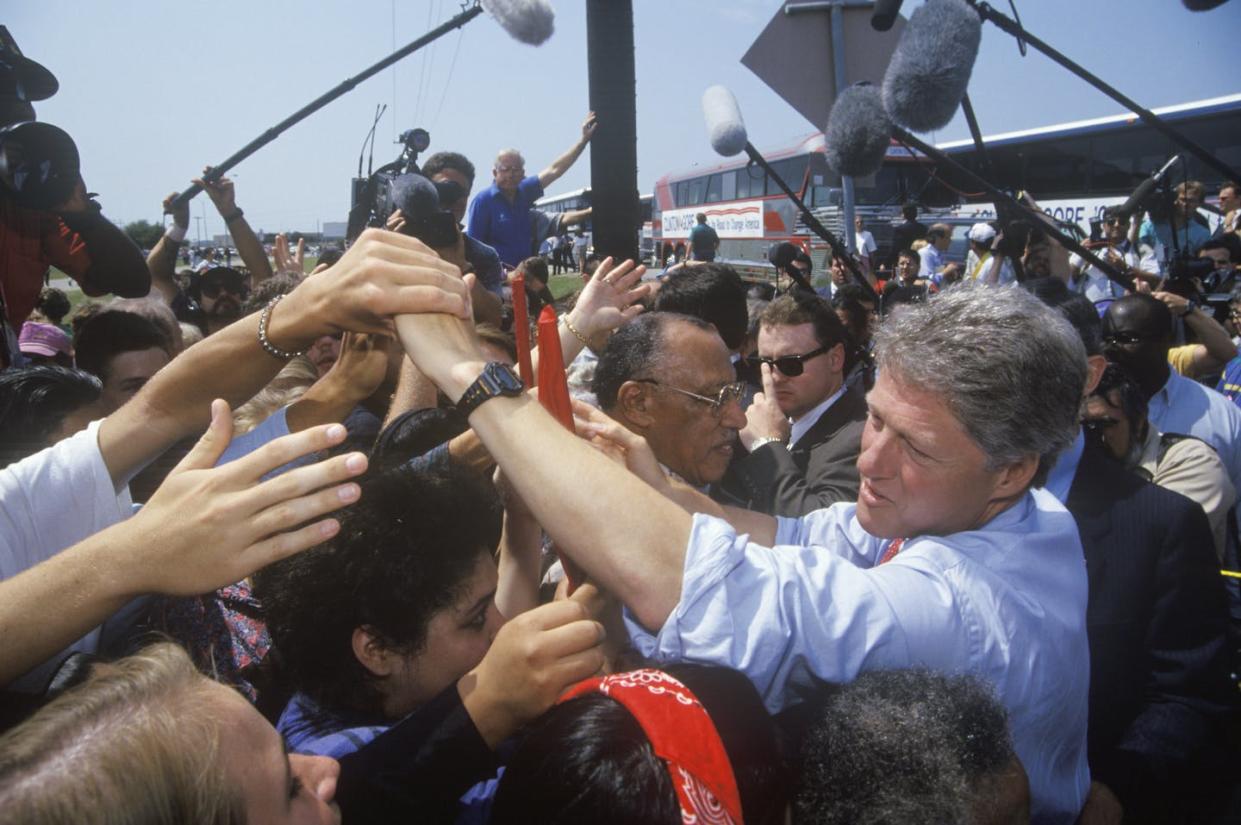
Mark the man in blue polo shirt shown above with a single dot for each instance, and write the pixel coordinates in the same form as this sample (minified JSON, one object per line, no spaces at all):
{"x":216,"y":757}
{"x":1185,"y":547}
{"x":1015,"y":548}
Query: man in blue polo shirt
{"x":500,"y":214}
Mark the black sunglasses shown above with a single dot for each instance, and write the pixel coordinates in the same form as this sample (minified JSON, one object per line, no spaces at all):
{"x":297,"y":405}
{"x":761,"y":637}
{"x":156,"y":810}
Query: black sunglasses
{"x":213,"y":288}
{"x":791,"y":365}
{"x":1098,"y":425}
{"x":1126,"y":338}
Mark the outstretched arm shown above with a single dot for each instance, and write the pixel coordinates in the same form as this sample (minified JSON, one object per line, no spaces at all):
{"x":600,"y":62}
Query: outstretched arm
{"x":248,"y":246}
{"x":381,"y":275}
{"x":561,"y":164}
{"x":631,"y":540}
{"x":162,"y":260}
{"x":203,"y":528}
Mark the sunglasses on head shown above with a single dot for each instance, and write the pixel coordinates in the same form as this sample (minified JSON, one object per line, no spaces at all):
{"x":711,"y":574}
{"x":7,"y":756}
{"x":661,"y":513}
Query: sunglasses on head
{"x":792,"y":365}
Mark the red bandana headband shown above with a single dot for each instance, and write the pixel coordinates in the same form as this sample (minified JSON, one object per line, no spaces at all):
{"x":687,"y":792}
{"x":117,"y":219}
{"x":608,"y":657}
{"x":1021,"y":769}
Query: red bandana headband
{"x":682,"y":735}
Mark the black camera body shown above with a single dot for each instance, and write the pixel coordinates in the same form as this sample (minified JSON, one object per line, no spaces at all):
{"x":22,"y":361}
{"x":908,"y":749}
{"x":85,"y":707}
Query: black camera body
{"x":401,"y":185}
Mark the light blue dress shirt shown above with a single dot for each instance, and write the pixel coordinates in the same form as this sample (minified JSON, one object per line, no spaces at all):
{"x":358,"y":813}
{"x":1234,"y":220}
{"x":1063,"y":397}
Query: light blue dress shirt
{"x":1060,"y":479}
{"x":1006,"y":602}
{"x":1186,"y":407}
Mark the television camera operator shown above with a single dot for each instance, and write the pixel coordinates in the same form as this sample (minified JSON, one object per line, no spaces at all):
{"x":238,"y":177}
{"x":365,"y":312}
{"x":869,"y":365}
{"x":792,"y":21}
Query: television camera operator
{"x":47,"y":217}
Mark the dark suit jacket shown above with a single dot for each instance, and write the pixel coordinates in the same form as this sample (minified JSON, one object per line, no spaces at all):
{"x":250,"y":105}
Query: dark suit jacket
{"x":1156,"y":625}
{"x":819,"y":470}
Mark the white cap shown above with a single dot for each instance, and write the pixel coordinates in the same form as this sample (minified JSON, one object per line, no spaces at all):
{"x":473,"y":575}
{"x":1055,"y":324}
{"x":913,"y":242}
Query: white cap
{"x":982,"y":232}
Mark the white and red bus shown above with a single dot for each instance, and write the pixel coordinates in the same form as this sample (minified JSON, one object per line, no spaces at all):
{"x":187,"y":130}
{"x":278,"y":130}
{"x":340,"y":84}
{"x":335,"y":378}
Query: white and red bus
{"x":749,"y":211}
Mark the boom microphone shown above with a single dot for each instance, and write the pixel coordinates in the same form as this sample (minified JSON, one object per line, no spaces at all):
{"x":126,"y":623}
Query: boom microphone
{"x":858,"y":132}
{"x":885,"y":14}
{"x":1202,"y":5}
{"x":931,"y":66}
{"x":1135,"y":201}
{"x":725,"y":128}
{"x":530,"y":21}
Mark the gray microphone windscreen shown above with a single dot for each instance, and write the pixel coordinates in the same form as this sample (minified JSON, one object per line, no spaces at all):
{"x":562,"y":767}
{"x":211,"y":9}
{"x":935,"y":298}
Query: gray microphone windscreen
{"x":858,"y":132}
{"x":530,"y":21}
{"x":931,"y":66}
{"x":725,"y":127}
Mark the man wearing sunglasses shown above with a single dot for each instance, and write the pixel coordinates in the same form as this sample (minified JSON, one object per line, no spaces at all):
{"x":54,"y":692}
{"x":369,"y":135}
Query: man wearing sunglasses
{"x":1121,"y":253}
{"x":804,"y":430}
{"x":219,"y":291}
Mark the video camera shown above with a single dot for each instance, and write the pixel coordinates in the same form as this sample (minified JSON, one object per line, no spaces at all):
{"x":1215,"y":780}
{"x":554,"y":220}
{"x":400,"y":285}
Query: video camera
{"x":401,"y":185}
{"x":39,"y":165}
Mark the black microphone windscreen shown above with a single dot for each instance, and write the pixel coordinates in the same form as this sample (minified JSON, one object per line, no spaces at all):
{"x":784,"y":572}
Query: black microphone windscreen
{"x":1202,"y":5}
{"x":858,"y":132}
{"x":530,"y":21}
{"x":931,"y":66}
{"x":725,"y":128}
{"x":885,"y":14}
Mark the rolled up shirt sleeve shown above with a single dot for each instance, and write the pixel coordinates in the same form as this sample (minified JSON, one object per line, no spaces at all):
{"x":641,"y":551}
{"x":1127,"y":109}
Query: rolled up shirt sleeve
{"x":792,"y":617}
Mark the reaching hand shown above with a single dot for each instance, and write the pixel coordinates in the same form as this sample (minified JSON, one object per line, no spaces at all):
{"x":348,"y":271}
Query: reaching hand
{"x":763,"y":418}
{"x":220,"y":191}
{"x":362,"y":364}
{"x":180,"y":214}
{"x":616,"y":440}
{"x":395,"y":222}
{"x":209,"y":526}
{"x":289,"y":263}
{"x":609,"y":299}
{"x":589,"y":125}
{"x":535,"y":657}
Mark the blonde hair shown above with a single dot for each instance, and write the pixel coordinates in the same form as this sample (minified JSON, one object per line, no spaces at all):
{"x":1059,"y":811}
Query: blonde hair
{"x":288,"y":386}
{"x":135,"y":744}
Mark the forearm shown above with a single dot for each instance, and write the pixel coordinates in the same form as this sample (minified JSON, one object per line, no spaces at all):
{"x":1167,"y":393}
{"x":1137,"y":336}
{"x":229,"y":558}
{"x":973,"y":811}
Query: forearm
{"x":117,"y":266}
{"x":327,"y":401}
{"x":414,"y":391}
{"x":632,"y":541}
{"x":87,"y":583}
{"x":560,"y":165}
{"x":176,"y":402}
{"x":760,"y":526}
{"x":1219,"y":348}
{"x":520,"y":565}
{"x":162,"y":264}
{"x":251,"y":251}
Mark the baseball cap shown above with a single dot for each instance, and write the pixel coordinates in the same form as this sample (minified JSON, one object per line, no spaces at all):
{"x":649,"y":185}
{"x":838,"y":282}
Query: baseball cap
{"x":43,"y":339}
{"x":982,"y":232}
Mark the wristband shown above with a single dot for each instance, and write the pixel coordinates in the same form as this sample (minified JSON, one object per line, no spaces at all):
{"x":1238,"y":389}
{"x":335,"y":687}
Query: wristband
{"x":175,"y":233}
{"x":234,"y":215}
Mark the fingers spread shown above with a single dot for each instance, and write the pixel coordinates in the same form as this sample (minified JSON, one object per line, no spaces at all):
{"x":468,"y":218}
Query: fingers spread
{"x":283,"y":450}
{"x":207,"y":451}
{"x":289,"y":513}
{"x":303,"y":480}
{"x":283,"y":545}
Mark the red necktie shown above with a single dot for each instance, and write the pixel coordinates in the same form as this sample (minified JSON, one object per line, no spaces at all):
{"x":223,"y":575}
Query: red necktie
{"x":893,"y":549}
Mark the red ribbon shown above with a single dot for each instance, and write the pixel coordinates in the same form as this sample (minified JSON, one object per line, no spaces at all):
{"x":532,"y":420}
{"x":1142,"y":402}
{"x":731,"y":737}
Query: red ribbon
{"x":682,"y":734}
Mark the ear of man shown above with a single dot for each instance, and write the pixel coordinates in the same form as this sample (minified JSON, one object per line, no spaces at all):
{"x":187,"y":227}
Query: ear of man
{"x":634,"y":404}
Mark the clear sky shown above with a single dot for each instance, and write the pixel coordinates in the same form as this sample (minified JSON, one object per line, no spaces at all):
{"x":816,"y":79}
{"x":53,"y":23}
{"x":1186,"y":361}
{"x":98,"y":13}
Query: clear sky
{"x":152,"y":91}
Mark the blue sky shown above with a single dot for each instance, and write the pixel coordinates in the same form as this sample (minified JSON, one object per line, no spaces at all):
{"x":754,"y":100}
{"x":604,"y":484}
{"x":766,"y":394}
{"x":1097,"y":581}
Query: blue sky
{"x":152,"y":91}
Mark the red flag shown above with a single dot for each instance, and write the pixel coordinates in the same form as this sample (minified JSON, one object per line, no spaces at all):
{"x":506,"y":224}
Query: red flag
{"x":521,"y":329}
{"x":553,"y":383}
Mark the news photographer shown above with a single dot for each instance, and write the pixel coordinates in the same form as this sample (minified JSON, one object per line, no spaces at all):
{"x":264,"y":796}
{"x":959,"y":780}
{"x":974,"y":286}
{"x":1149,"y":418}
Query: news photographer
{"x":47,"y":217}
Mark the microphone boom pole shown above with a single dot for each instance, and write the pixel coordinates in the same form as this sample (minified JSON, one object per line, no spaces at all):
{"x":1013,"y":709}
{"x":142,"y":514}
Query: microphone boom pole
{"x":1007,"y":24}
{"x":318,"y":103}
{"x":1002,"y":198}
{"x":838,"y":248}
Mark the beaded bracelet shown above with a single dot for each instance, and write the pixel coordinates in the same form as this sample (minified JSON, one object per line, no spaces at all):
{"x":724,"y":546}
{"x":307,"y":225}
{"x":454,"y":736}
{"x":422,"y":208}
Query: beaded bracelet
{"x":270,"y":348}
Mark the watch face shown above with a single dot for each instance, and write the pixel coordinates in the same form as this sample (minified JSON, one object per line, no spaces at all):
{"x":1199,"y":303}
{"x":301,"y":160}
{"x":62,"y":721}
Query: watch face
{"x":503,"y":378}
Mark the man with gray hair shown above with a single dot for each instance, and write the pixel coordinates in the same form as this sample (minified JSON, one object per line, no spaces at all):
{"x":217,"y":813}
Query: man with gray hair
{"x":500,"y":214}
{"x":950,"y":559}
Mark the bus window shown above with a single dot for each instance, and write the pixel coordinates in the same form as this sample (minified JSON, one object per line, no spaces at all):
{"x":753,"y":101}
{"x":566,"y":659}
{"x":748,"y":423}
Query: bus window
{"x":729,"y":190}
{"x":682,"y":194}
{"x":1059,"y":168}
{"x":747,"y":184}
{"x":697,"y":189}
{"x":714,"y":186}
{"x":792,"y":170}
{"x":1120,"y":161}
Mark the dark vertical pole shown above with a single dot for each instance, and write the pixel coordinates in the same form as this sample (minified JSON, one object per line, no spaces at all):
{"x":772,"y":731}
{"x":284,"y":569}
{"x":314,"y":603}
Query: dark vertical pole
{"x":614,"y":148}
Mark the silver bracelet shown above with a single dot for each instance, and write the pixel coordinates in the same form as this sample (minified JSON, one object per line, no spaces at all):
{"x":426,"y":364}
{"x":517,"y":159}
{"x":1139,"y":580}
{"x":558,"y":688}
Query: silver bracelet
{"x":268,"y":347}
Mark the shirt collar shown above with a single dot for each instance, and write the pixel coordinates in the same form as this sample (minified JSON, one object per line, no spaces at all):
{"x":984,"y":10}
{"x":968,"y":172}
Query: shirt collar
{"x":801,"y":425}
{"x":1060,"y":479}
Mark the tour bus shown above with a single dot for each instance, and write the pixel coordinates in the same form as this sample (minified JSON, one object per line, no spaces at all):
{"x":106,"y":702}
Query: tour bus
{"x":580,"y":199}
{"x":749,"y":211}
{"x":1075,"y":170}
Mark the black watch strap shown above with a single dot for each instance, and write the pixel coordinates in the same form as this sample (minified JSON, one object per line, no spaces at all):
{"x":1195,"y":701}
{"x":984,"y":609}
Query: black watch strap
{"x":496,"y":379}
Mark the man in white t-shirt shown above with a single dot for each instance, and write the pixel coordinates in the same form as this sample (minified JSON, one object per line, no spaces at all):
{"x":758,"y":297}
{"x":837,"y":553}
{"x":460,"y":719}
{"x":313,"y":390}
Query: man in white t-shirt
{"x":866,"y":246}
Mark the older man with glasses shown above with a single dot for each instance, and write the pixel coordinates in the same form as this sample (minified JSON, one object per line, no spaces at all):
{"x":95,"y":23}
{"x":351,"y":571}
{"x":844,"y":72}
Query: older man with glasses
{"x":803,"y":432}
{"x":668,"y":377}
